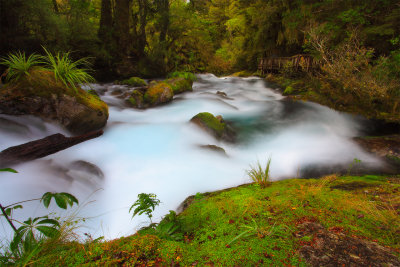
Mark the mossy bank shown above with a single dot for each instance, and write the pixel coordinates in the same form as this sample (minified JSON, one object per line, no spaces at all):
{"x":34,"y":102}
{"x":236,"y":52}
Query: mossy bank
{"x":297,"y":222}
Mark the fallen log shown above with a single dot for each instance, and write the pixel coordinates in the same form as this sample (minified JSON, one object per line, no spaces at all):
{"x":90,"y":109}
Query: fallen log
{"x":41,"y":148}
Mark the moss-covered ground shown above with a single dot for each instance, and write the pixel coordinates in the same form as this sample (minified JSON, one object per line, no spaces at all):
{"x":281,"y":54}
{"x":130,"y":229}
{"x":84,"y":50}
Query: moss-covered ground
{"x":253,"y":226}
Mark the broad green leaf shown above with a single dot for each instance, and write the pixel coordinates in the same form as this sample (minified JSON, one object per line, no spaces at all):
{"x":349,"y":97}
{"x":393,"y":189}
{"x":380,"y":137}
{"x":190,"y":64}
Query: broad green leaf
{"x":48,"y":231}
{"x":60,"y":201}
{"x":46,"y":198}
{"x":70,"y":198}
{"x":49,"y":221}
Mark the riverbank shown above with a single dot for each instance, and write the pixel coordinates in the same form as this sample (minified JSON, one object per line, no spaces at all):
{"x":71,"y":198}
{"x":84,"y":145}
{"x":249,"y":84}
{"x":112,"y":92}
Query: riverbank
{"x":337,"y":220}
{"x":308,"y":88}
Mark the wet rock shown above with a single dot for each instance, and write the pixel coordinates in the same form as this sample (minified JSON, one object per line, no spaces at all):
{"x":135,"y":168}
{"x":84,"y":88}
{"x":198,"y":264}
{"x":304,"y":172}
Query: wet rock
{"x":214,"y":148}
{"x":88,"y":167}
{"x":133,"y":81}
{"x":180,"y":85}
{"x":41,"y":95}
{"x":158,"y":93}
{"x":136,"y":99}
{"x":216,"y":126}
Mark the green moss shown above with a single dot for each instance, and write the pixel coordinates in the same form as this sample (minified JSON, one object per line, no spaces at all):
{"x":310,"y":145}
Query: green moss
{"x":136,"y":99}
{"x":134,"y":81}
{"x":42,"y":83}
{"x":158,"y":93}
{"x":243,"y":73}
{"x":179,"y":85}
{"x":288,"y":91}
{"x":181,"y":74}
{"x":211,"y":122}
{"x":271,"y":216}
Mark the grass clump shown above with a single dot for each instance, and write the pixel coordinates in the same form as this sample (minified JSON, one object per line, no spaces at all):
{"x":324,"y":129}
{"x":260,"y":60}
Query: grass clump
{"x":19,"y":65}
{"x":70,"y":73}
{"x":259,"y":174}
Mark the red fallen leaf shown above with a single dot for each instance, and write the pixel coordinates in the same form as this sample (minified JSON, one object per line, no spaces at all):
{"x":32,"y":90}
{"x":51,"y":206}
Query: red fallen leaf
{"x":227,"y":246}
{"x":231,"y":221}
{"x":276,"y":248}
{"x":209,"y":237}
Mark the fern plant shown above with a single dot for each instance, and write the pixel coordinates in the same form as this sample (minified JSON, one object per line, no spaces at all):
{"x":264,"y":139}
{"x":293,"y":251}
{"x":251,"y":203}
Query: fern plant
{"x":146,"y":203}
{"x":69,"y":72}
{"x":19,"y":65}
{"x":260,"y":175}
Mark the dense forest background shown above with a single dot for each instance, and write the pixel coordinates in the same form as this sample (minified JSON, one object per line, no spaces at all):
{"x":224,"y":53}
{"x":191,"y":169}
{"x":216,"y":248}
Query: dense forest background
{"x":154,"y":37}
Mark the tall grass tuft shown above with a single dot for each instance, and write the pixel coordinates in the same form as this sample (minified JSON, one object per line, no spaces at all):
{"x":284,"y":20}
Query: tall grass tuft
{"x":19,"y":65}
{"x":259,"y":175}
{"x":69,"y":72}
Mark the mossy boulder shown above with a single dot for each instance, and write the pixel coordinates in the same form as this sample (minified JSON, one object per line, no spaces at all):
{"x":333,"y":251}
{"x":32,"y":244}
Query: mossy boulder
{"x":40,"y":94}
{"x":216,"y":126}
{"x":158,"y":93}
{"x":180,"y":85}
{"x":133,"y":81}
{"x":136,"y":99}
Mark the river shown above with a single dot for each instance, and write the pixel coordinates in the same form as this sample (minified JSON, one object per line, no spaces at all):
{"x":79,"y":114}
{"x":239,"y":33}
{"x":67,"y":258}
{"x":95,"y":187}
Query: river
{"x":159,"y":151}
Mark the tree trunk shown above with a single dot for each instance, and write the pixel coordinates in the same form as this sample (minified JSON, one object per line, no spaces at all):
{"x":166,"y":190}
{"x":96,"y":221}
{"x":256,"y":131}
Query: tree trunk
{"x":143,"y":9}
{"x":122,"y":11}
{"x":105,"y":21}
{"x":163,"y":9}
{"x":41,"y":148}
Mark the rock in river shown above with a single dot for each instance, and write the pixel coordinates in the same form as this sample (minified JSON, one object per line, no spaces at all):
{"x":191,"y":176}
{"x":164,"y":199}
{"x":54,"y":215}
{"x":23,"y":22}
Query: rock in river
{"x":40,"y":94}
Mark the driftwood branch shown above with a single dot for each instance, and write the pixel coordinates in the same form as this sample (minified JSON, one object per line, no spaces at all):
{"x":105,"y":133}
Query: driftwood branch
{"x":41,"y":148}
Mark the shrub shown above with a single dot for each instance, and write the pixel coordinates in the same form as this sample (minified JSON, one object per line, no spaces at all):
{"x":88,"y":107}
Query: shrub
{"x":259,"y":175}
{"x":18,"y":65}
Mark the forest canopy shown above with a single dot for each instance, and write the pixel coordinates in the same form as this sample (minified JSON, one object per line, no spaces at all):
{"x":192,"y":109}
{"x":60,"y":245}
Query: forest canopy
{"x":154,"y":37}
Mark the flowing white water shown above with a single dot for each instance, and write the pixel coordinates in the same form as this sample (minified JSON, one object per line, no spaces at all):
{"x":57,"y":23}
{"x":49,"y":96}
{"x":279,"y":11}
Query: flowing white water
{"x":158,"y":151}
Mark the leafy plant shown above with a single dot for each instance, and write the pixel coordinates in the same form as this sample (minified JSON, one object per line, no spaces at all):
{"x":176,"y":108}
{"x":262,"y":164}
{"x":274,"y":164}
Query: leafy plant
{"x":169,"y":231}
{"x":69,"y":72}
{"x":19,"y":65}
{"x":259,"y":175}
{"x":29,"y":237}
{"x":146,"y":203}
{"x":353,"y":164}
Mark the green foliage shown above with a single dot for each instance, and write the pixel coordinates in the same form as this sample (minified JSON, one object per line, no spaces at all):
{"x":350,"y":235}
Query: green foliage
{"x":170,"y":227}
{"x":62,"y":199}
{"x":29,"y":238}
{"x":18,"y":65}
{"x":180,"y":74}
{"x":69,"y":72}
{"x":146,"y":203}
